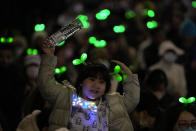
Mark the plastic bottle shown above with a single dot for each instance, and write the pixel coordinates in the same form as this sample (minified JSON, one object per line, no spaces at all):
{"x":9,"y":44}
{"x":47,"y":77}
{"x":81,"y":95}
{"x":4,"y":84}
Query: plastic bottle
{"x":65,"y":32}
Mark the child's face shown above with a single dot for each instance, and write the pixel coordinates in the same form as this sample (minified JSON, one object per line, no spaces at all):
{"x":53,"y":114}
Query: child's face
{"x":93,"y":88}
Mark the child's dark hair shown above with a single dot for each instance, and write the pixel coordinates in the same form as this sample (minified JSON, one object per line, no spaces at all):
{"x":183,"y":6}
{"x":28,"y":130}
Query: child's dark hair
{"x":93,"y":70}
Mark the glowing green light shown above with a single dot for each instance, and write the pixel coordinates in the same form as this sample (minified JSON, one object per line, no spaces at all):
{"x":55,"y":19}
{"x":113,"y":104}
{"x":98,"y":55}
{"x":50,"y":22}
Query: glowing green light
{"x":191,"y":99}
{"x":60,"y":70}
{"x":151,"y":13}
{"x":83,"y":19}
{"x":129,"y":14}
{"x":62,"y":43}
{"x":186,"y":101}
{"x":101,"y":43}
{"x":32,"y":51}
{"x":57,"y":71}
{"x":117,"y":69}
{"x":92,"y":40}
{"x":2,"y":39}
{"x":119,"y":29}
{"x":152,"y":24}
{"x":118,"y":77}
{"x":35,"y":52}
{"x":97,"y":43}
{"x":76,"y":62}
{"x":63,"y":69}
{"x":39,"y":27}
{"x":83,"y":57}
{"x":29,"y":51}
{"x":103,"y":14}
{"x":81,"y":60}
{"x":194,"y":4}
{"x":10,"y":40}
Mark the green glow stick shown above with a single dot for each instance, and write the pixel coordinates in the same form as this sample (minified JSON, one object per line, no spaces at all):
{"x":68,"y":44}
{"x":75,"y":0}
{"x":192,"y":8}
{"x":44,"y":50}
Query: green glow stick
{"x":83,"y":19}
{"x":97,"y":43}
{"x":103,"y":14}
{"x":194,"y":4}
{"x":129,"y":14}
{"x":82,"y":59}
{"x":60,"y":70}
{"x":186,"y":101}
{"x":119,"y":29}
{"x":10,"y":40}
{"x":32,"y":51}
{"x":39,"y":27}
{"x":151,"y":13}
{"x":152,"y":24}
{"x":2,"y":39}
{"x":62,"y":43}
{"x":101,"y":43}
{"x":92,"y":40}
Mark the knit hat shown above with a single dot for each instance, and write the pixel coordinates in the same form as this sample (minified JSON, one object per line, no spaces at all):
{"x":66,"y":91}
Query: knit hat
{"x":32,"y":59}
{"x":169,"y":45}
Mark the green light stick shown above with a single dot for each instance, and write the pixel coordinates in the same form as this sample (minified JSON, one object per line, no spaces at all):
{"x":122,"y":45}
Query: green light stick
{"x":39,"y":27}
{"x":119,"y":28}
{"x":32,"y":51}
{"x":186,"y":101}
{"x":2,"y":39}
{"x":116,"y":73}
{"x":81,"y":60}
{"x":97,"y":43}
{"x":152,"y":24}
{"x":83,"y":19}
{"x":8,"y":40}
{"x":62,"y":43}
{"x":60,"y":70}
{"x":151,"y":13}
{"x":194,"y":4}
{"x":103,"y":14}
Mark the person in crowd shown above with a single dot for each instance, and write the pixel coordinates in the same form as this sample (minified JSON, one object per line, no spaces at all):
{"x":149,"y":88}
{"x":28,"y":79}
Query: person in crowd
{"x":156,"y":83}
{"x":147,"y":113}
{"x":32,"y":97}
{"x":175,"y":72}
{"x":12,"y":86}
{"x":179,"y":117}
{"x":89,"y":106}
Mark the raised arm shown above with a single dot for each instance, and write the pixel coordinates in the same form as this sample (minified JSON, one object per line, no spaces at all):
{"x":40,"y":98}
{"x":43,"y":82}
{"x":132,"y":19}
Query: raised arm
{"x":48,"y":86}
{"x":131,"y":88}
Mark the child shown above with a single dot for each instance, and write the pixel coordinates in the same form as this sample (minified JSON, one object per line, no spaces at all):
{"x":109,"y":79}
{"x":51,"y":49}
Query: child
{"x":91,"y":107}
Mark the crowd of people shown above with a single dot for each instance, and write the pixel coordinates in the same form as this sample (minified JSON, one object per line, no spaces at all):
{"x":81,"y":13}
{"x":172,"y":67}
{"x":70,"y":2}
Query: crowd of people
{"x":162,"y":54}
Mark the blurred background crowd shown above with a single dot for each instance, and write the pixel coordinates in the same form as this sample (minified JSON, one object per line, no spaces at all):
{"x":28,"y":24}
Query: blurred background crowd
{"x":157,"y":41}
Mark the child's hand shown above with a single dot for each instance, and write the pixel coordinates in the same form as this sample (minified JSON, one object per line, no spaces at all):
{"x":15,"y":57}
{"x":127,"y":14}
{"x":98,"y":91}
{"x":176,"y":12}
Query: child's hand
{"x":47,"y":47}
{"x":123,"y":66}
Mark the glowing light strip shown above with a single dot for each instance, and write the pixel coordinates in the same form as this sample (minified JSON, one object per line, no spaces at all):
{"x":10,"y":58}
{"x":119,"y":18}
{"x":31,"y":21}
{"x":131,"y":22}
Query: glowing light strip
{"x":80,"y":102}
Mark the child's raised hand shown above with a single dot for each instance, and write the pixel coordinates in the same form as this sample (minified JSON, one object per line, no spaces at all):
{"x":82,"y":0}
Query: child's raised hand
{"x":48,"y":47}
{"x":123,"y":66}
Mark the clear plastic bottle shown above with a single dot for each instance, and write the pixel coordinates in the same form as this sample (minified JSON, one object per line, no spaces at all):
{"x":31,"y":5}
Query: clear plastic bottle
{"x":65,"y":32}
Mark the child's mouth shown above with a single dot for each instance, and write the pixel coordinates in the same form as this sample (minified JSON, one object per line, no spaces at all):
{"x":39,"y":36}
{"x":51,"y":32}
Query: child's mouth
{"x":93,"y":91}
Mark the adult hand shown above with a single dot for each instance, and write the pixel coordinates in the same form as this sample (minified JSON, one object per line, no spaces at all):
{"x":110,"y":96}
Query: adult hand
{"x":47,"y":47}
{"x":123,"y":66}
